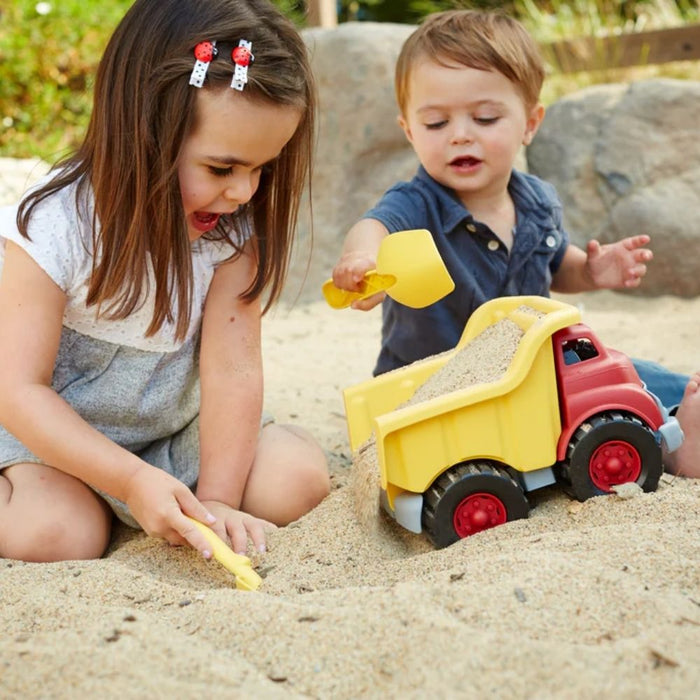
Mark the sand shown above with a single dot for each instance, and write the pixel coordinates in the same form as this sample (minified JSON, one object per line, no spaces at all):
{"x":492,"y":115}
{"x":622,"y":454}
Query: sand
{"x":597,"y":599}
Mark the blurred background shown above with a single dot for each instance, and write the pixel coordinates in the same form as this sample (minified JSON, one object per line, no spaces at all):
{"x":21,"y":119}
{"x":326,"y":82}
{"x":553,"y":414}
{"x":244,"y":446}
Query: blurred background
{"x":49,"y":51}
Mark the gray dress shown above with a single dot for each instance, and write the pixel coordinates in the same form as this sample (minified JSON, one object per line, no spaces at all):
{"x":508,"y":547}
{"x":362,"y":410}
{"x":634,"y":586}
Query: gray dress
{"x":142,"y":393}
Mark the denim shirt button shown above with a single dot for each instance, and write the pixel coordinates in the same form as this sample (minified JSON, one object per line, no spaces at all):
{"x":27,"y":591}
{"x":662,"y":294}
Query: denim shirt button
{"x":471,"y":228}
{"x":551,"y":241}
{"x":492,"y":244}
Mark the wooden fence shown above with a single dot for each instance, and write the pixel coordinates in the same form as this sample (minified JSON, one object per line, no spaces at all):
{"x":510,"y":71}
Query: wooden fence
{"x":590,"y":53}
{"x":626,"y":50}
{"x":321,"y":13}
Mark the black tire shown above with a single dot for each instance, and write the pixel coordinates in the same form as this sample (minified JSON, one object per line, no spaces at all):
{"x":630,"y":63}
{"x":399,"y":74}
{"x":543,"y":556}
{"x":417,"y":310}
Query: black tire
{"x":608,"y":449}
{"x":469,"y":498}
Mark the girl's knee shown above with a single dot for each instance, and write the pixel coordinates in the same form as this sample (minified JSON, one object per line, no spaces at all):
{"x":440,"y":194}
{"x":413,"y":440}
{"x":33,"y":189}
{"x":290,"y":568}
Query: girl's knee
{"x":75,"y":524}
{"x":45,"y":540}
{"x":312,"y":483}
{"x":290,"y":476}
{"x":310,"y":463}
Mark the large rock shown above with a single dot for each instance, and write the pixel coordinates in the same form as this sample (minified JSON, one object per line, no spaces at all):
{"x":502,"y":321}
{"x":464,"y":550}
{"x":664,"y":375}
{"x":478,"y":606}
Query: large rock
{"x":626,"y":160}
{"x":361,"y":149}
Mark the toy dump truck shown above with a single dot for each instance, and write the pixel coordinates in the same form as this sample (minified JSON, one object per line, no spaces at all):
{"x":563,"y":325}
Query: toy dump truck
{"x":565,"y":409}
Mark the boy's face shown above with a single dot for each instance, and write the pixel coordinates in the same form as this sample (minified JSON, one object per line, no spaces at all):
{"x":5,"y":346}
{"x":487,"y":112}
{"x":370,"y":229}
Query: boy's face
{"x":467,"y":126}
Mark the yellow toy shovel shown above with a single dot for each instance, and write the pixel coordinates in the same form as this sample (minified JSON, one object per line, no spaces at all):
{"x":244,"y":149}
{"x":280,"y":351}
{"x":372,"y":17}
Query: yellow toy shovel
{"x":246,"y":577}
{"x":409,"y":268}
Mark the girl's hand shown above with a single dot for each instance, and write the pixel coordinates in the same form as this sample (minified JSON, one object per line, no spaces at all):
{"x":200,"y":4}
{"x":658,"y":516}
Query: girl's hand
{"x":349,"y":274}
{"x":620,"y":264}
{"x":237,"y":527}
{"x":158,"y":500}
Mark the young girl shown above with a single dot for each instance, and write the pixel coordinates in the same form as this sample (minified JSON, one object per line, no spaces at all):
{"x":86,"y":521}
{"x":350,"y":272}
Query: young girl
{"x":130,"y":294}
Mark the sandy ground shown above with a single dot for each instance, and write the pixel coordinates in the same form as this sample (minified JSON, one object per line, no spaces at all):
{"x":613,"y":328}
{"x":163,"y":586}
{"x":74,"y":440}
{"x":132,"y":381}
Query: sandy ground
{"x":600,"y":599}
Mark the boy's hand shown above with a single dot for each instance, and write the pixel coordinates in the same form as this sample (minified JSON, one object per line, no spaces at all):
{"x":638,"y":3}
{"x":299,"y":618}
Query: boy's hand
{"x":618,"y":265}
{"x":349,"y":274}
{"x":237,"y":527}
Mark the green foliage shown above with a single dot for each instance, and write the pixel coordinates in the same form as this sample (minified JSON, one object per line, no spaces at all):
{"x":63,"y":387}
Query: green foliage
{"x":566,"y":19}
{"x":406,"y":11}
{"x":49,"y":52}
{"x":556,"y":20}
{"x":47,"y":65}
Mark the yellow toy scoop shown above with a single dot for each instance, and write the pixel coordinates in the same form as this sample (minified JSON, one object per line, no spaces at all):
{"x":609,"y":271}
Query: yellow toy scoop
{"x":409,"y":268}
{"x":246,"y":577}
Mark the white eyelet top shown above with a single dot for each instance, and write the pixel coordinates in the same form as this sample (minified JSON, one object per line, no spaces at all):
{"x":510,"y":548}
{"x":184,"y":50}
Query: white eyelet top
{"x":61,"y":244}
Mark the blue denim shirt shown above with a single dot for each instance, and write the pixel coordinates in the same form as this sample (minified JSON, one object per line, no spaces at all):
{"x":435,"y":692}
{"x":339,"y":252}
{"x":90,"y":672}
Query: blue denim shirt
{"x":478,"y":261}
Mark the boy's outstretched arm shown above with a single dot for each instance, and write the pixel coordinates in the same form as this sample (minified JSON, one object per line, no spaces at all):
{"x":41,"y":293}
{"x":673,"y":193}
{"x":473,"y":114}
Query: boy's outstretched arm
{"x":358,"y":256}
{"x":619,"y":265}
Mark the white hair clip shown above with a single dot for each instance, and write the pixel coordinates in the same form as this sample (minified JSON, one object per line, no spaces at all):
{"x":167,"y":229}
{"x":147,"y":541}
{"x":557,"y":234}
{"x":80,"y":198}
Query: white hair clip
{"x":204,"y":52}
{"x":242,"y":58}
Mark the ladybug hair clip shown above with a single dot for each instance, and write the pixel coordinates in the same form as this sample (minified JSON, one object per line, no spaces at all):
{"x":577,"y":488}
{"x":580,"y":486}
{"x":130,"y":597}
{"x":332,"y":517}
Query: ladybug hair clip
{"x":204,"y":54}
{"x":242,"y":58}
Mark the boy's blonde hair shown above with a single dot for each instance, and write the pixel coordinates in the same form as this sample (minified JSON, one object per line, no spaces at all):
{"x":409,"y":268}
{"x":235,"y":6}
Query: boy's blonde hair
{"x":475,"y":39}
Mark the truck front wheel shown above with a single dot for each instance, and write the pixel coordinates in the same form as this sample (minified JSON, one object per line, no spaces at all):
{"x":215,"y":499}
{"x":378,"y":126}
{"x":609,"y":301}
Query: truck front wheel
{"x":469,"y":498}
{"x":610,"y":449}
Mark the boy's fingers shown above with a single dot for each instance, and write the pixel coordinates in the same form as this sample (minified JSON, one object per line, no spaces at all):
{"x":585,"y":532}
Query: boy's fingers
{"x":593,"y":248}
{"x":369,"y":302}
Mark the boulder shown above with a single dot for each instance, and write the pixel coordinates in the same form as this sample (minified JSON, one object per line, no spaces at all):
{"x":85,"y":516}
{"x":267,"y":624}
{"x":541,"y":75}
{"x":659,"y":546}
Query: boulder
{"x":361,"y":150}
{"x":625,"y":159}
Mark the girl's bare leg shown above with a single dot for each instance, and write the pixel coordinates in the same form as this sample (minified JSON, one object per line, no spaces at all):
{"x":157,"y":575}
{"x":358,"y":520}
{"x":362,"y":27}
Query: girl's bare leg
{"x":685,"y":461}
{"x":289,"y":476}
{"x":47,"y":515}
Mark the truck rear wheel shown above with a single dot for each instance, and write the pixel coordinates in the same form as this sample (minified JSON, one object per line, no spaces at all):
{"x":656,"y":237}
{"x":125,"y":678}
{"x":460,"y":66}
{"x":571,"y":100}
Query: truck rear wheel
{"x":610,"y":449}
{"x":469,"y":498}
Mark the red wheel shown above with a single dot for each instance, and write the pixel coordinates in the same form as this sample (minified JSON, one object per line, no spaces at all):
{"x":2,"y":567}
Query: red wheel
{"x":469,"y":498}
{"x":478,"y":512}
{"x":614,"y":462}
{"x":609,"y":449}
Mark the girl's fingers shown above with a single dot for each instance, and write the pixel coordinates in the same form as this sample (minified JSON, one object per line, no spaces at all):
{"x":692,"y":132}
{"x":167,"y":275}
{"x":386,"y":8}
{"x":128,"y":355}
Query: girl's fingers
{"x":256,"y":532}
{"x":192,"y":510}
{"x":199,"y":536}
{"x":191,"y":506}
{"x":252,"y":529}
{"x":239,"y":537}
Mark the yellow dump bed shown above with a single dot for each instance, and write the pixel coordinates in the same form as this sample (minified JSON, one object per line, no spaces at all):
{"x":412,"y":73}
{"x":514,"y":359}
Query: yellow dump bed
{"x":513,"y":420}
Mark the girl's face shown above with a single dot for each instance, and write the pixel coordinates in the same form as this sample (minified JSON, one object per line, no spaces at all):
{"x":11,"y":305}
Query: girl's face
{"x":467,"y":126}
{"x":222,"y":159}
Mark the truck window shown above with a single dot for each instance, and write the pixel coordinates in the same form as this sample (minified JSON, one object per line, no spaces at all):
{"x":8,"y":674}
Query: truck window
{"x":578,"y":350}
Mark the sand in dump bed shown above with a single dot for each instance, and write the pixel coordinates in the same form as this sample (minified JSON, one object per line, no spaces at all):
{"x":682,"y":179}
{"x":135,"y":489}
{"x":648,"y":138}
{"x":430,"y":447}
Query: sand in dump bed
{"x":483,"y":360}
{"x":597,"y":599}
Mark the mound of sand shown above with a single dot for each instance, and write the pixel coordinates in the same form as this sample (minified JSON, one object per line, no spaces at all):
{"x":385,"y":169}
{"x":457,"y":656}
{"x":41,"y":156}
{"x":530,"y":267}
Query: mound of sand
{"x":595,"y":599}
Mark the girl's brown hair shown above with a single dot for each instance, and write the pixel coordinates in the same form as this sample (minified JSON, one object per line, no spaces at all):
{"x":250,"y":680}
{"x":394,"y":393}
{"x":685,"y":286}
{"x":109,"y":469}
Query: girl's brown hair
{"x":475,"y":39}
{"x":144,"y":109}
